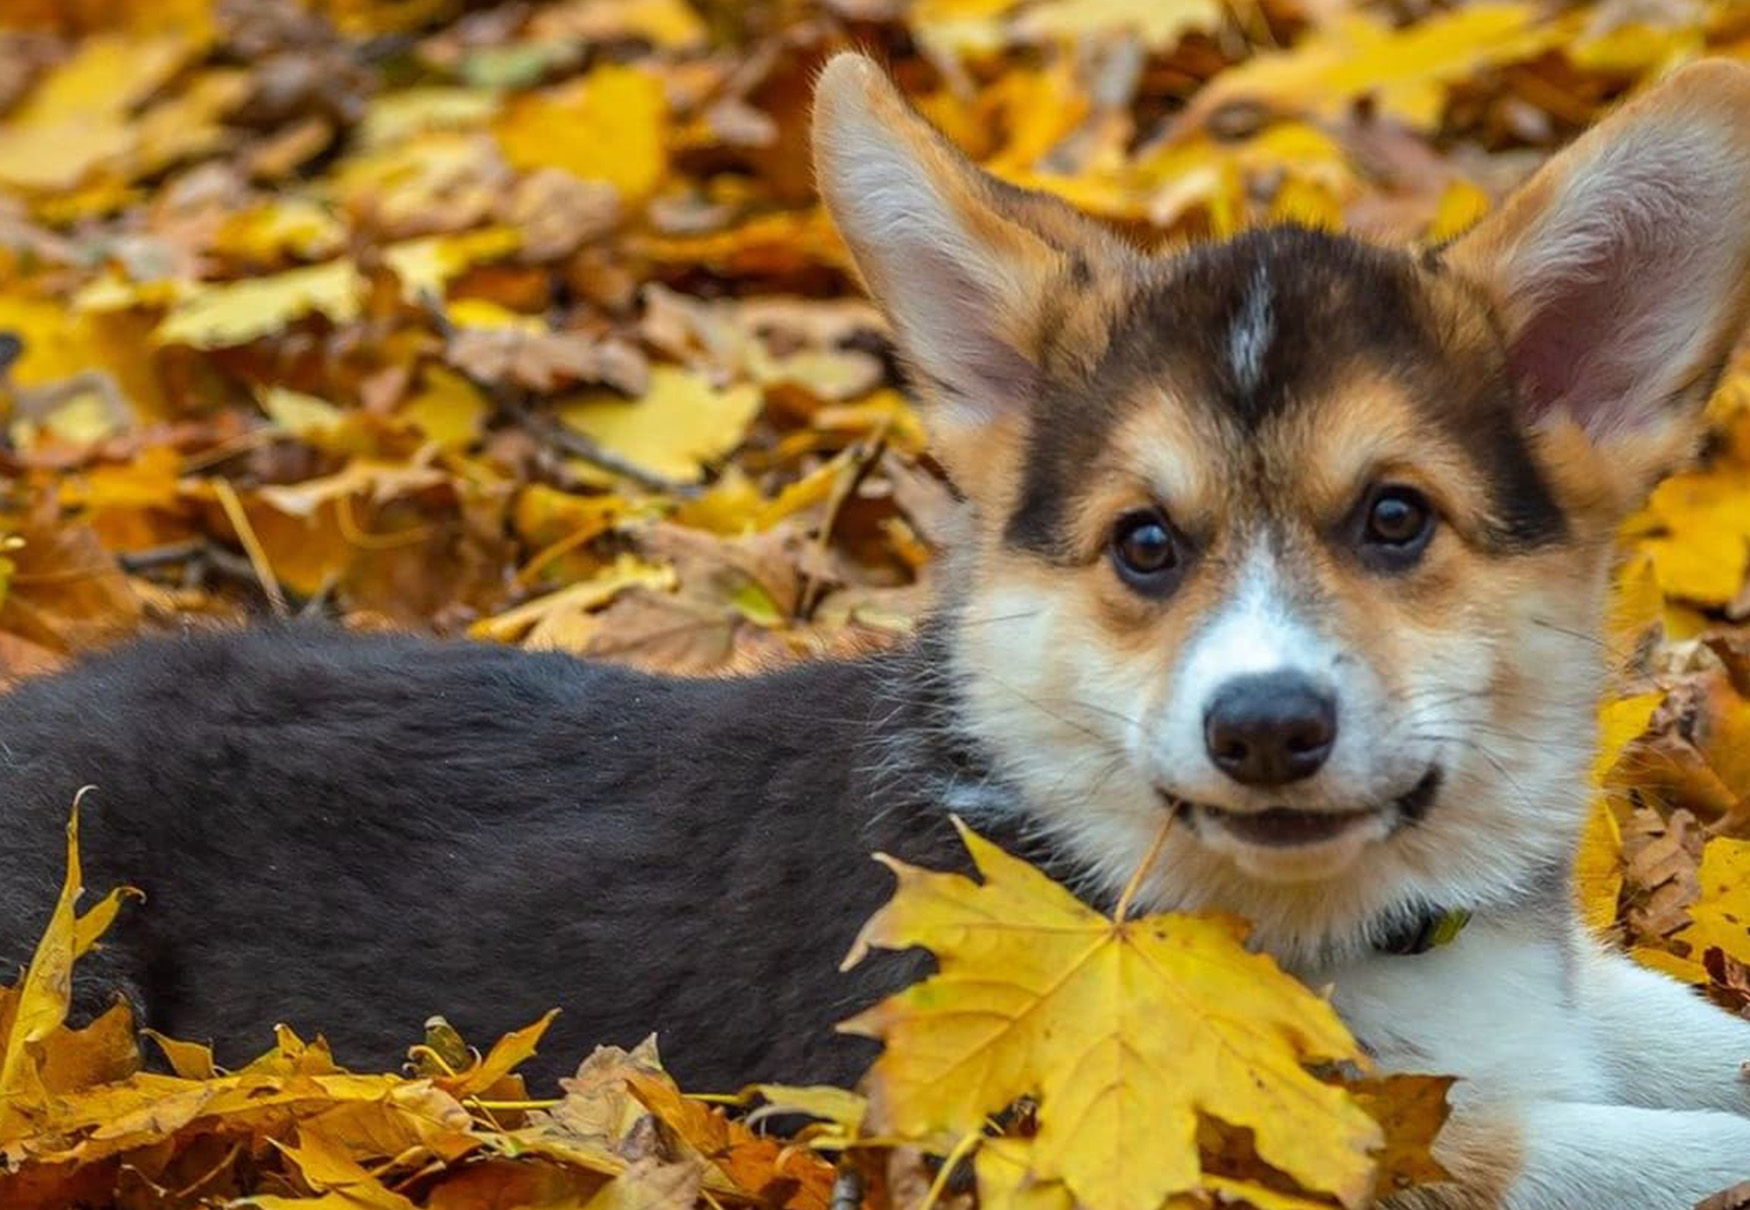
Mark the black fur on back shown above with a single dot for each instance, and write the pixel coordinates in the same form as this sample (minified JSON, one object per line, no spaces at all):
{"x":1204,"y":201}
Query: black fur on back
{"x":350,"y":834}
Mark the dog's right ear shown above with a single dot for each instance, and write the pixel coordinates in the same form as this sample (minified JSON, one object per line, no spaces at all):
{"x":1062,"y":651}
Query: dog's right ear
{"x":966,"y":268}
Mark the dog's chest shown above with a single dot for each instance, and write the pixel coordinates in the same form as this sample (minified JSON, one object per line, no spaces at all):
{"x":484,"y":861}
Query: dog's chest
{"x":1495,"y":1007}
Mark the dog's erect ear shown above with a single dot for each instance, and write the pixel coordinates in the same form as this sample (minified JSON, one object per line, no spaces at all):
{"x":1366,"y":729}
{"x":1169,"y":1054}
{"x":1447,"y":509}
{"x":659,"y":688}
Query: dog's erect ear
{"x":965,"y":267}
{"x":1622,"y":269}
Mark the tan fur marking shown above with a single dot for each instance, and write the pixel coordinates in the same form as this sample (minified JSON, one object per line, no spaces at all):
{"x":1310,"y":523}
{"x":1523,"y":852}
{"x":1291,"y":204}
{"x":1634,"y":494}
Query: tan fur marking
{"x":1482,"y":1154}
{"x":1161,"y":455}
{"x":1368,"y":431}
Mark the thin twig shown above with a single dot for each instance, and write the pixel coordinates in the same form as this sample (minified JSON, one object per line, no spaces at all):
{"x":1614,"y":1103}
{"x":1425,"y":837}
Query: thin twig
{"x":167,"y":555}
{"x":264,"y":574}
{"x":863,"y":460}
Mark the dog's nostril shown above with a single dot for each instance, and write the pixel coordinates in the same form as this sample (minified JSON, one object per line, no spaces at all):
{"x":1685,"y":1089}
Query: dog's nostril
{"x":1269,"y":729}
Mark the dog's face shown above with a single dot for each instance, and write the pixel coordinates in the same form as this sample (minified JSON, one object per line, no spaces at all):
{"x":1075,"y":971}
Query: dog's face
{"x":1300,"y":540}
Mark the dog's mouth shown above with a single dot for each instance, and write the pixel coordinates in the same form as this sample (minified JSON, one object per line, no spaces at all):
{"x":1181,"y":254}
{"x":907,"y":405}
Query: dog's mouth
{"x":1288,"y":827}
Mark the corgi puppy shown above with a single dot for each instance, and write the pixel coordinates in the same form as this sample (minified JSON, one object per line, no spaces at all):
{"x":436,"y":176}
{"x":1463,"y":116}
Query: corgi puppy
{"x":1299,"y":540}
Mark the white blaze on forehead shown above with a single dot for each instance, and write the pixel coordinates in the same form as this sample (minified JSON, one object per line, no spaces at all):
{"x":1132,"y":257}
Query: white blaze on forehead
{"x":1253,"y":328}
{"x":1258,"y":630}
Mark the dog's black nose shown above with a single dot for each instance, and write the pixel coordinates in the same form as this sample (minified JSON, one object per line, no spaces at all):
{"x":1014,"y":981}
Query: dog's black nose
{"x":1270,"y":728}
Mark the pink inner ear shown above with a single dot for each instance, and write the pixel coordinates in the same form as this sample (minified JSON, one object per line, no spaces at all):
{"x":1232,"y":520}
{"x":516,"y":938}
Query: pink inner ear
{"x":1562,"y":358}
{"x":949,"y":326}
{"x":1626,"y":285}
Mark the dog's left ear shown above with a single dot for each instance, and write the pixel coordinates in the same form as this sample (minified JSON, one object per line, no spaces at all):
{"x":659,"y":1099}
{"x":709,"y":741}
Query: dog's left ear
{"x":1621,"y":270}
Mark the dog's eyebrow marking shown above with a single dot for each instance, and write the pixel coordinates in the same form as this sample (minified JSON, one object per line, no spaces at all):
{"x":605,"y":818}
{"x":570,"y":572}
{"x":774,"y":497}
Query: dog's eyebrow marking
{"x":1248,"y":339}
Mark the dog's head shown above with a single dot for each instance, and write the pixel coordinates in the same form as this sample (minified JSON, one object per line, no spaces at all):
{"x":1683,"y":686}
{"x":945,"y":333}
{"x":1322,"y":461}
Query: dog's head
{"x":1303,"y":539}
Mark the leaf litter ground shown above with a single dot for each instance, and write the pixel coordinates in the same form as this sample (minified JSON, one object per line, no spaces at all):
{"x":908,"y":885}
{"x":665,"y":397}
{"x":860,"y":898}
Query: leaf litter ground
{"x":523,"y":322}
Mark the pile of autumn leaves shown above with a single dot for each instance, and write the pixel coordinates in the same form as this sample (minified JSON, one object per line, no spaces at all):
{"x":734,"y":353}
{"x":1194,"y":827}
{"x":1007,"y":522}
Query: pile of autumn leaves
{"x":1088,"y":1063}
{"x":550,"y":341}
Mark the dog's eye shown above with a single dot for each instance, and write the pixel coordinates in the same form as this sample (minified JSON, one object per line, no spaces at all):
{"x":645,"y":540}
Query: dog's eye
{"x":1399,"y":521}
{"x":1145,"y":550}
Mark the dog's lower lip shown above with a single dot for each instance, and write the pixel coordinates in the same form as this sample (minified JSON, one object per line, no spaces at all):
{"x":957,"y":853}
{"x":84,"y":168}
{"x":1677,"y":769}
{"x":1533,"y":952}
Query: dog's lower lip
{"x":1284,"y":826}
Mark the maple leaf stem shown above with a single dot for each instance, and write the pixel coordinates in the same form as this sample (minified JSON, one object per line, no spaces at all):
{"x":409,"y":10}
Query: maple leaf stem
{"x":1135,"y":884}
{"x":968,"y":1143}
{"x":421,"y":1050}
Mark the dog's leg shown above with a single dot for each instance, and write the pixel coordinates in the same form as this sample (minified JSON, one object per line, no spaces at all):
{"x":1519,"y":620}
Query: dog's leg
{"x":1564,"y":1155}
{"x":1664,"y":1046}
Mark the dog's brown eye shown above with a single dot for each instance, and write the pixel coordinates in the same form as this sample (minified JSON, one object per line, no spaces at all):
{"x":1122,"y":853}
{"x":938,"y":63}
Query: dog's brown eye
{"x":1399,"y":522}
{"x":1145,"y":550}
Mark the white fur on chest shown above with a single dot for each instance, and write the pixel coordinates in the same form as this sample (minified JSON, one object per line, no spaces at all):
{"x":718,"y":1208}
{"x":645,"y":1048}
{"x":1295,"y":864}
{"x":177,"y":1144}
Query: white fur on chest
{"x":1496,"y":1007}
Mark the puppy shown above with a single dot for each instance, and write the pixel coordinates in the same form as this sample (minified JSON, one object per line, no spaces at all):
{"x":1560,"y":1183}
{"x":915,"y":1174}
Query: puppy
{"x":1301,"y":540}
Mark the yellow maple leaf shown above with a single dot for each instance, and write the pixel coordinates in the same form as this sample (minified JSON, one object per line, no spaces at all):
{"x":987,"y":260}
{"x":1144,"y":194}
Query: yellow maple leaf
{"x":1126,"y":1031}
{"x":609,"y":126}
{"x":427,"y":265}
{"x":38,"y":1005}
{"x":1721,"y":915}
{"x":1461,"y":205}
{"x":329,"y":1168}
{"x":447,"y":408}
{"x":1405,"y":70}
{"x":1157,"y":24}
{"x":505,"y":1055}
{"x":1598,"y":864}
{"x":269,"y":230}
{"x":237,"y":312}
{"x":680,"y":425}
{"x":1702,"y":549}
{"x":536,"y":620}
{"x":77,"y":118}
{"x":59,"y":346}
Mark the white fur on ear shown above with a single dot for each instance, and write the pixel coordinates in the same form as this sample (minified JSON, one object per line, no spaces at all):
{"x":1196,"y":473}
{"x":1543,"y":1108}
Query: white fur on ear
{"x":951,"y":273}
{"x":1621,"y":268}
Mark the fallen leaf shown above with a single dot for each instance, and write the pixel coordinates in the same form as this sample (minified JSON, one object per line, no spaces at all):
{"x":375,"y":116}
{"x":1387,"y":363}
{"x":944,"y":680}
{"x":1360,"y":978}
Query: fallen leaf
{"x":764,"y":1169}
{"x":1038,"y":995}
{"x":1720,"y":917}
{"x":607,"y":126}
{"x":1404,"y":70}
{"x":681,"y":425}
{"x":235,"y":313}
{"x":542,"y":621}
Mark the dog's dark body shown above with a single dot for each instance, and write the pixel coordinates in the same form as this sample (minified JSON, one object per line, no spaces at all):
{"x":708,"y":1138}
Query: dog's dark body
{"x":350,"y":834}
